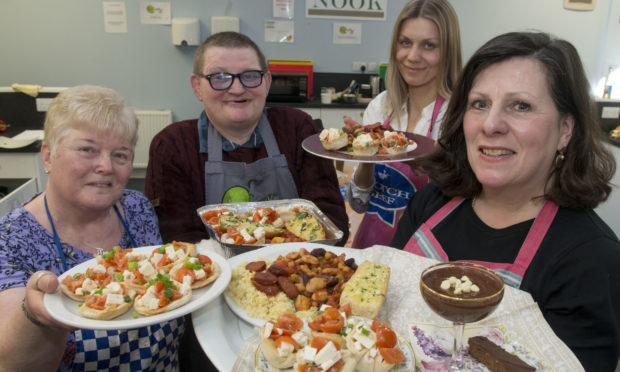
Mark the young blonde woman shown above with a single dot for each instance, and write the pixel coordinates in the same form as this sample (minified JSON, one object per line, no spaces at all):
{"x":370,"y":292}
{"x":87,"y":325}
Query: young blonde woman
{"x":425,"y":60}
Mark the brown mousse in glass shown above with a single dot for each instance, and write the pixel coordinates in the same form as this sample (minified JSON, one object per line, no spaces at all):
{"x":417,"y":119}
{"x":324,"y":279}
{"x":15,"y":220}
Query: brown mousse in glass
{"x":464,"y":307}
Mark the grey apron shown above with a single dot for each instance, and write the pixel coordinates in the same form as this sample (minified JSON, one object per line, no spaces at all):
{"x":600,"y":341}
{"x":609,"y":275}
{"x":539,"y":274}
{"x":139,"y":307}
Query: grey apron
{"x":233,"y":182}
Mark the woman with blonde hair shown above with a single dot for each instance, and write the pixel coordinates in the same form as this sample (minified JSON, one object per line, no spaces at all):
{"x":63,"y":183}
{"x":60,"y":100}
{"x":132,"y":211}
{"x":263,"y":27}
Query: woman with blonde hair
{"x":87,"y":151}
{"x":425,"y":60}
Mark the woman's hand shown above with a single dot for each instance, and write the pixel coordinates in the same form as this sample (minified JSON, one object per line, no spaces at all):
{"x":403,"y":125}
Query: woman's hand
{"x":40,"y":283}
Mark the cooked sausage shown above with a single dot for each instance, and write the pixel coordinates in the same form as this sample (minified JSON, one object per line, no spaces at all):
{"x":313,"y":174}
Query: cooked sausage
{"x":256,"y":266}
{"x":269,"y":290}
{"x":276,"y":269}
{"x":265,"y":278}
{"x":287,"y":286}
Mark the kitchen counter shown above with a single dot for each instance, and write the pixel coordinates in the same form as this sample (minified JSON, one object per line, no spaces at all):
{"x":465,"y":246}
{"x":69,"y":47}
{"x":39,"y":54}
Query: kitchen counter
{"x":316,"y":103}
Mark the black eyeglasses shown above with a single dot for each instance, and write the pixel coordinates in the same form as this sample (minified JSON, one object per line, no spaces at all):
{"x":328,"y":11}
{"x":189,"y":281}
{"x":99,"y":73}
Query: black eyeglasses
{"x":224,"y":80}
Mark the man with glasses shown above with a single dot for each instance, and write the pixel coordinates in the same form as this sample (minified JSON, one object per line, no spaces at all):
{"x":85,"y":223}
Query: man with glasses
{"x":235,"y":151}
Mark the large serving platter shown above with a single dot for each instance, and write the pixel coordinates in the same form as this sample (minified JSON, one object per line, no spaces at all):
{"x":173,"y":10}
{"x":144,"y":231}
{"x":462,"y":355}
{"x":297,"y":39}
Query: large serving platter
{"x":423,"y":145}
{"x":65,"y":310}
{"x":228,"y":339}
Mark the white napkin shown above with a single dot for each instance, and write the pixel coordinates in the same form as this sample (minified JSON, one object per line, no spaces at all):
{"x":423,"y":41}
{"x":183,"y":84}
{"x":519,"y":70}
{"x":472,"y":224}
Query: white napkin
{"x":212,"y":246}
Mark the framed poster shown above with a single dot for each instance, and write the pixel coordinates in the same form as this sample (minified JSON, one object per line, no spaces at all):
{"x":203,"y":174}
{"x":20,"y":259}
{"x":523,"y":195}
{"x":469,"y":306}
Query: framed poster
{"x":579,"y":4}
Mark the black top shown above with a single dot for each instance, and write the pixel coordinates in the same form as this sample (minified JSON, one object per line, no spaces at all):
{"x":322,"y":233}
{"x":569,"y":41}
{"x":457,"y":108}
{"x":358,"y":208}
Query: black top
{"x":574,"y":277}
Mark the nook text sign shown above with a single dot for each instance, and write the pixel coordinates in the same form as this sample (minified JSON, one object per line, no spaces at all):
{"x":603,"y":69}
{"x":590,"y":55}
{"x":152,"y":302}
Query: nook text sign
{"x":356,"y":9}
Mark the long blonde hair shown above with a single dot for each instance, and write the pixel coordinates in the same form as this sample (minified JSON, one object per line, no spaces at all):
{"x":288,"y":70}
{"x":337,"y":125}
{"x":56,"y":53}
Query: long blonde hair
{"x":442,"y":14}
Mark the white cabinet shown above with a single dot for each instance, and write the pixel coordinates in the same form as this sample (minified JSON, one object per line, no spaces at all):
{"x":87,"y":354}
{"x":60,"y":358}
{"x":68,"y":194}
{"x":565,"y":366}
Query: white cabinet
{"x":333,"y":117}
{"x":314,"y":112}
{"x":18,"y":196}
{"x":24,"y":165}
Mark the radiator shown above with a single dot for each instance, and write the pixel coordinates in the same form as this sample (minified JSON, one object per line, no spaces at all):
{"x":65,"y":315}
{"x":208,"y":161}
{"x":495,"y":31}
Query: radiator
{"x":150,"y":122}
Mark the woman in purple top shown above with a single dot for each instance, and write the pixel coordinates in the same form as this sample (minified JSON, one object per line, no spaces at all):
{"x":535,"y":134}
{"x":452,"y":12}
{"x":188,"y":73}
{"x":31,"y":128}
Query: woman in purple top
{"x":90,"y":135}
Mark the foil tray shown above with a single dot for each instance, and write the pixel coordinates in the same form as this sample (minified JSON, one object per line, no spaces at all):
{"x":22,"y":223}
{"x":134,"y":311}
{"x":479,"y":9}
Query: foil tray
{"x":332,"y":233}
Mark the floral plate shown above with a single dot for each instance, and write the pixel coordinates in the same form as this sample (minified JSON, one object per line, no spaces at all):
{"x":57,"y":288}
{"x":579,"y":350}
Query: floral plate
{"x":432,"y":345}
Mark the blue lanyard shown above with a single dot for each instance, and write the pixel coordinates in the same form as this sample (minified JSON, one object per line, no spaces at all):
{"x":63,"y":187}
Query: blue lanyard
{"x":57,"y":239}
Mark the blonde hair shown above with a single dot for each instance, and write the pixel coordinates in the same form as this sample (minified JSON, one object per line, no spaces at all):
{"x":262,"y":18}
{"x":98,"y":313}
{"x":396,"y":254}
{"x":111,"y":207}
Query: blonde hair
{"x":442,"y":14}
{"x":89,"y":107}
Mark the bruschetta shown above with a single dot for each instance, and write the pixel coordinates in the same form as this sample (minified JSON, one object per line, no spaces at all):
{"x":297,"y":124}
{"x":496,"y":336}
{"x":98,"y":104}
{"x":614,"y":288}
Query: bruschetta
{"x":201,"y":270}
{"x":80,"y":286}
{"x":281,"y":340}
{"x":118,"y":259}
{"x":108,"y":302}
{"x":394,"y":142}
{"x":333,"y":139}
{"x":166,"y":256}
{"x":374,"y":345}
{"x":366,"y":144}
{"x":161,"y":295}
{"x":322,"y":354}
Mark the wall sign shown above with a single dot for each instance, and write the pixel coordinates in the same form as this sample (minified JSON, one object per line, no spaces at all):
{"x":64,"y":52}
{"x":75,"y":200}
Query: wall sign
{"x":579,"y":4}
{"x":357,"y":9}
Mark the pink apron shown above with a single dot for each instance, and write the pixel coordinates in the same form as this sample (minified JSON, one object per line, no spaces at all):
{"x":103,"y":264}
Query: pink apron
{"x":389,"y":200}
{"x":424,"y":243}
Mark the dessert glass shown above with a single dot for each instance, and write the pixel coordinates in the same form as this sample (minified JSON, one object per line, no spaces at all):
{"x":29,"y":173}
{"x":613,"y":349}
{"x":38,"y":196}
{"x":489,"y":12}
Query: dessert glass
{"x":464,"y":307}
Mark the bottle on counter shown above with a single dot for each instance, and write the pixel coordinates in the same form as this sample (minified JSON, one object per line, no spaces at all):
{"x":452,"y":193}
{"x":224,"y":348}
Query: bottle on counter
{"x":608,"y":83}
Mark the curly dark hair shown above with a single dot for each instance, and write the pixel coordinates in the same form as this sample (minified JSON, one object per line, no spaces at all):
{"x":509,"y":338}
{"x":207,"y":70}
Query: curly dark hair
{"x":583,"y":180}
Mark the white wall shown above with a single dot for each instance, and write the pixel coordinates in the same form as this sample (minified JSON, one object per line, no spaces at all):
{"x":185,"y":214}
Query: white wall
{"x":62,"y":42}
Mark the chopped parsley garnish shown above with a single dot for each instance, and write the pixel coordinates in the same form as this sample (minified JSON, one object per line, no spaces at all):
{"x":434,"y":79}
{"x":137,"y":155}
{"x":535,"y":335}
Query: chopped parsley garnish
{"x":77,"y":275}
{"x":162,"y":249}
{"x":127,"y":298}
{"x":164,"y":278}
{"x":132,"y":265}
{"x":197,"y":265}
{"x":119,"y":277}
{"x":99,"y":291}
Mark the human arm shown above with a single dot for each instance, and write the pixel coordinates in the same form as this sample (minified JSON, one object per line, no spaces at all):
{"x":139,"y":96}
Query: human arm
{"x":315,"y":178}
{"x":578,"y":292}
{"x":26,"y":346}
{"x":175,"y":183}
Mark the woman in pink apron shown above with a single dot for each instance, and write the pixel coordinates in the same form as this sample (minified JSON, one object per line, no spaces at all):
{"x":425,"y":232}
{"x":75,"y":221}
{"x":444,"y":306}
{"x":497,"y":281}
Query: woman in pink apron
{"x":425,"y":60}
{"x":519,"y":168}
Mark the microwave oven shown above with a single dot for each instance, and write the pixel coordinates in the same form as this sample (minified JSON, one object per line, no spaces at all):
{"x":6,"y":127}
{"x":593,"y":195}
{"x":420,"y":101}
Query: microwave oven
{"x":288,"y":87}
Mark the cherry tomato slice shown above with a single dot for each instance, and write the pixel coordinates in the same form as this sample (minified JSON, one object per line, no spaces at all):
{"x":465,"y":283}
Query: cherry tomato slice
{"x":392,"y":355}
{"x":286,"y":339}
{"x":290,"y":322}
{"x":319,"y":342}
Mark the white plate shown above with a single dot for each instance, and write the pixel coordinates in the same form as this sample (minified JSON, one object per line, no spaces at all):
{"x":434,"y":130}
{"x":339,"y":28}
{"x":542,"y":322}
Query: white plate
{"x":15,"y":143}
{"x":64,"y":309}
{"x":271,"y":253}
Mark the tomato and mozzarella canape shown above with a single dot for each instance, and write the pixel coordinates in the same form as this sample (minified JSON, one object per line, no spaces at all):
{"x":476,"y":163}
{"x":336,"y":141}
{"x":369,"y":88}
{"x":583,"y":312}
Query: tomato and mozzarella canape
{"x":108,"y":302}
{"x":161,"y":295}
{"x":200,"y":270}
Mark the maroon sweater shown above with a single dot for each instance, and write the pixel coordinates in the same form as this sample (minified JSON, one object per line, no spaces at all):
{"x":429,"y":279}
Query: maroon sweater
{"x":175,"y":177}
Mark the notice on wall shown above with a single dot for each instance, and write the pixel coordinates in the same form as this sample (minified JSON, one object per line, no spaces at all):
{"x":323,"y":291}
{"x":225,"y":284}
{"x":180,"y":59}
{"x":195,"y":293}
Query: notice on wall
{"x":358,"y":9}
{"x":155,"y":13}
{"x":115,"y":17}
{"x":283,"y":9}
{"x":347,"y":33}
{"x":280,"y":31}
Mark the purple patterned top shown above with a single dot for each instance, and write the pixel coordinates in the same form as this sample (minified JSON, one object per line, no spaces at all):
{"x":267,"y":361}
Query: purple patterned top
{"x":27,"y":247}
